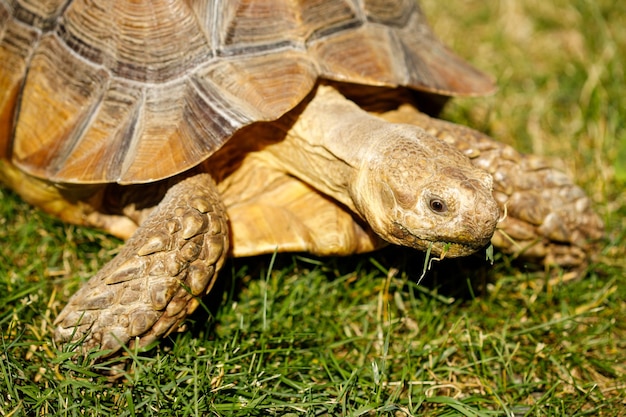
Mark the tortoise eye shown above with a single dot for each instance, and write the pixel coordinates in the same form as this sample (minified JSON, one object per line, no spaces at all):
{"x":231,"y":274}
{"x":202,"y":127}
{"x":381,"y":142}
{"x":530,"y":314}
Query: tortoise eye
{"x":437,"y":205}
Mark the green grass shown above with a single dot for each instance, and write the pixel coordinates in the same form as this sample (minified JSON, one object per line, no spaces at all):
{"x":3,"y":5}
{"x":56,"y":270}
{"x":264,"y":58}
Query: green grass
{"x":358,"y":336}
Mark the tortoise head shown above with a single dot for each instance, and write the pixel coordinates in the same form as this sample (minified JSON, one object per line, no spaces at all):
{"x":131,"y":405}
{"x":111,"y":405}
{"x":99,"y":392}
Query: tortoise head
{"x":415,"y":190}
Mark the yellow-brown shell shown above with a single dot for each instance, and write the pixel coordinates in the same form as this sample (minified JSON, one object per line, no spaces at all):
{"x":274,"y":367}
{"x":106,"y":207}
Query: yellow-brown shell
{"x":135,"y":91}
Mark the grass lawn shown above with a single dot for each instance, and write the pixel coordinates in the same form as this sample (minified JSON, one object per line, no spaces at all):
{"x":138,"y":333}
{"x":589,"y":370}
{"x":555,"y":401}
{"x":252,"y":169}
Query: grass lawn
{"x":301,"y":336}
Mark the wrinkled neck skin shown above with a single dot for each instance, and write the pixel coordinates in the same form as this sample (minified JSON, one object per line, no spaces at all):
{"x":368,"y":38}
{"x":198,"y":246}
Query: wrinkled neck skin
{"x":412,"y":189}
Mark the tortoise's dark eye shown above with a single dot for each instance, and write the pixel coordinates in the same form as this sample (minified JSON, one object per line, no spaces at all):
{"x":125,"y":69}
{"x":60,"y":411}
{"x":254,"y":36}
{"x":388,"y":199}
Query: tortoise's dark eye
{"x":437,"y":205}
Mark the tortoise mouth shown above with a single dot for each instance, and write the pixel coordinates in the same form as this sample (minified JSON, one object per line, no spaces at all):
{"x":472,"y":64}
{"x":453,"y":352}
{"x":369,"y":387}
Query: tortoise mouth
{"x":440,"y":246}
{"x":452,"y":250}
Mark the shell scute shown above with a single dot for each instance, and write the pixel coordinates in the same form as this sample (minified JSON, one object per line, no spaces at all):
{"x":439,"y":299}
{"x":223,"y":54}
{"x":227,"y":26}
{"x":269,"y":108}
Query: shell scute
{"x":133,"y":92}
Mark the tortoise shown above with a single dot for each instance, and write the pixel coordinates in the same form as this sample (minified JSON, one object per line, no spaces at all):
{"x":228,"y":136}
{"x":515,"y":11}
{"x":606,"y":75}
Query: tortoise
{"x":201,"y":130}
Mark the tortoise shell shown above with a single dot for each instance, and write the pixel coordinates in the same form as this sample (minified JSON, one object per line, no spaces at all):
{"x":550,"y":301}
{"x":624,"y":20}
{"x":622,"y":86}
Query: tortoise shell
{"x":133,"y":92}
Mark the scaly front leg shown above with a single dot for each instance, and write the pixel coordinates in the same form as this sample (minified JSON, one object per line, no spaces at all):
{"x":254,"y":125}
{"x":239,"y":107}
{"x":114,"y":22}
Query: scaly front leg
{"x":149,"y":288}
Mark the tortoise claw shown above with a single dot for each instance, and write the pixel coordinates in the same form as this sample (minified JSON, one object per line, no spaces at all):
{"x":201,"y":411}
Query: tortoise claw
{"x":149,"y":288}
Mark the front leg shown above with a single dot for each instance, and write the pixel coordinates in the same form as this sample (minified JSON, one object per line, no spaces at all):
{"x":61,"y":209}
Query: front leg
{"x":149,"y":288}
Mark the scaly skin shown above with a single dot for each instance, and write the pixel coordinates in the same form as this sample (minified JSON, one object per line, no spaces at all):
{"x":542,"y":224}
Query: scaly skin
{"x":547,"y":218}
{"x":149,"y":288}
